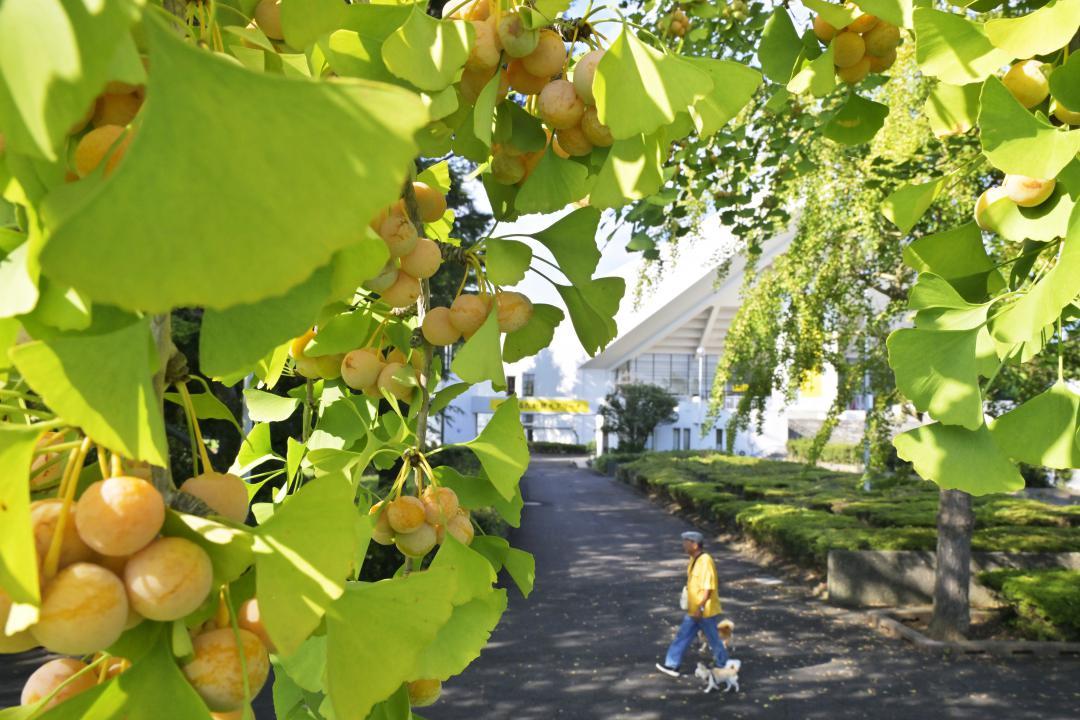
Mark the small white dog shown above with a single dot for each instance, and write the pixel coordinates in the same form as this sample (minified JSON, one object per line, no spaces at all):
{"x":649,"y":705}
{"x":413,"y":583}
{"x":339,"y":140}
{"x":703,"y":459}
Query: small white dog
{"x":713,"y":677}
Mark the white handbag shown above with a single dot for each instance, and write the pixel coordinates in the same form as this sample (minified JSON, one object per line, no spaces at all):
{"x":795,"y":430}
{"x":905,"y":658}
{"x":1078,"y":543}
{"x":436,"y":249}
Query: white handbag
{"x":684,"y":599}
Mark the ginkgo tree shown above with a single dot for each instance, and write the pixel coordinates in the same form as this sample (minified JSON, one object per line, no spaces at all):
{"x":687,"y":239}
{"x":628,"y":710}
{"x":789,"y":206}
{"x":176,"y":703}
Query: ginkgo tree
{"x":257,"y":162}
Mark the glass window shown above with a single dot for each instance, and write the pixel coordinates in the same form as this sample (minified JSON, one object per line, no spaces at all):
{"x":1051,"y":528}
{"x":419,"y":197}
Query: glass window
{"x":680,"y":374}
{"x":686,"y":438}
{"x":675,"y":439}
{"x":511,"y":385}
{"x":719,"y":438}
{"x":528,"y":384}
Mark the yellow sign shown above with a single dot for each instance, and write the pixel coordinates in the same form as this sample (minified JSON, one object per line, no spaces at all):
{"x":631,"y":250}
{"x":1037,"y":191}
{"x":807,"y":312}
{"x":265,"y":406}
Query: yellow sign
{"x":547,"y":405}
{"x":739,"y":387}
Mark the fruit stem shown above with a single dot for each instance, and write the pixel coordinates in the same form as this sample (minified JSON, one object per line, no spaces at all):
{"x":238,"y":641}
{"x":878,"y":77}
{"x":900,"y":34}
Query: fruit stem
{"x":423,"y":304}
{"x":67,"y":489}
{"x":226,"y":597}
{"x":189,"y":408}
{"x":309,"y":403}
{"x":102,"y":461}
{"x":60,"y":447}
{"x":5,"y":409}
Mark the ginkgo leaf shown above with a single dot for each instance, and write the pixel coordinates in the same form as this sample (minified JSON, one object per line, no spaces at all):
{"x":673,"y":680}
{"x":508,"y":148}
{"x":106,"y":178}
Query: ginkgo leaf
{"x":906,"y":205}
{"x":959,"y":459}
{"x":953,"y":109}
{"x":326,"y":177}
{"x":959,"y":256}
{"x":565,"y":238}
{"x":552,"y":185}
{"x":857,"y":121}
{"x":501,"y":448}
{"x":592,"y":307}
{"x":18,"y":560}
{"x":639,"y":89}
{"x":303,"y":21}
{"x":427,"y":52}
{"x":897,"y":12}
{"x":1041,"y":32}
{"x":355,"y":50}
{"x":1045,"y":222}
{"x":633,"y":170}
{"x":780,"y":47}
{"x":935,"y":369}
{"x":1042,"y":431}
{"x":1018,"y":142}
{"x":535,"y":335}
{"x":818,"y":75}
{"x":506,"y":260}
{"x":954,"y":49}
{"x":1065,"y":83}
{"x":480,"y":358}
{"x":733,"y":86}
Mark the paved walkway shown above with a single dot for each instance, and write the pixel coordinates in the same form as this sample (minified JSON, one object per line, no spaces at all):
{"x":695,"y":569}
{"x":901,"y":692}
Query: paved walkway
{"x":605,"y":607}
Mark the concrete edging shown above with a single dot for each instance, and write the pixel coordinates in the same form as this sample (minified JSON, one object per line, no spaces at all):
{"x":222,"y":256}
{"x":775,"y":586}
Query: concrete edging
{"x":888,"y":621}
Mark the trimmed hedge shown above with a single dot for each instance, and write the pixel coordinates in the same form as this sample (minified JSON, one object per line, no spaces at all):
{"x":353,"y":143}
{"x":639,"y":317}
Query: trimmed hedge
{"x":543,"y":447}
{"x":839,"y":453}
{"x":1046,"y":602}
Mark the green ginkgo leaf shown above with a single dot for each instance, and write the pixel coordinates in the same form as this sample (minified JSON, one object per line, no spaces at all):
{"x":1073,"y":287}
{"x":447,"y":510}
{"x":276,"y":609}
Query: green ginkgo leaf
{"x":19,"y":282}
{"x":1045,"y":222}
{"x":506,"y":261}
{"x":553,"y":184}
{"x":1041,"y":32}
{"x":355,"y":50}
{"x":102,"y":384}
{"x":632,"y":170}
{"x":501,"y":448}
{"x":953,"y":109}
{"x":1042,"y":431}
{"x":959,"y":256}
{"x":565,"y":238}
{"x":1018,"y":142}
{"x":427,"y":52}
{"x":817,"y":75}
{"x":839,"y":16}
{"x":478,"y":492}
{"x":1043,"y":303}
{"x":733,"y":86}
{"x":264,"y":406}
{"x":906,"y":205}
{"x":897,"y":12}
{"x":317,"y":175}
{"x":535,"y":335}
{"x":639,"y":89}
{"x":959,"y":459}
{"x":18,"y":560}
{"x":780,"y":47}
{"x":857,"y":121}
{"x":55,"y":57}
{"x":480,"y":359}
{"x":936,"y":370}
{"x":1065,"y":83}
{"x":592,"y":307}
{"x":954,"y":49}
{"x":303,"y":21}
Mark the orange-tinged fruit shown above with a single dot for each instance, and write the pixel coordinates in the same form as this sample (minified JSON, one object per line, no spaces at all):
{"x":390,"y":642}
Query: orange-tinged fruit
{"x":823,"y":30}
{"x":108,"y":143}
{"x":460,"y":528}
{"x":168,"y":579}
{"x":573,"y":141}
{"x":1027,"y":82}
{"x":560,"y":106}
{"x":1064,"y":114}
{"x":585,"y":73}
{"x":424,"y":692}
{"x":883,"y":38}
{"x":595,"y":131}
{"x":268,"y":18}
{"x":864,"y":23}
{"x":484,"y":54}
{"x":83,"y":609}
{"x":430,"y":202}
{"x":215,"y":670}
{"x":883,"y":63}
{"x":405,"y":514}
{"x":119,"y":515}
{"x":517,"y":40}
{"x":388,"y":381}
{"x":225,"y":493}
{"x":361,"y":368}
{"x":507,"y":169}
{"x":522,"y":81}
{"x":548,"y":57}
{"x":418,"y":543}
{"x":514,"y":309}
{"x":249,"y":618}
{"x":114,"y":109}
{"x":440,"y":504}
{"x":381,"y":533}
{"x":988,"y":198}
{"x":47,"y":678}
{"x":848,"y":49}
{"x":437,"y":328}
{"x":855,"y":73}
{"x":403,"y":293}
{"x":468,"y":313}
{"x":399,"y":234}
{"x":424,"y":260}
{"x":1027,"y":192}
{"x":44,"y":515}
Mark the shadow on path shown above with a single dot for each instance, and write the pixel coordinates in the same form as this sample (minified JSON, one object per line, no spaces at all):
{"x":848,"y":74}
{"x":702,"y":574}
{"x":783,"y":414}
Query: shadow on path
{"x":608,"y":575}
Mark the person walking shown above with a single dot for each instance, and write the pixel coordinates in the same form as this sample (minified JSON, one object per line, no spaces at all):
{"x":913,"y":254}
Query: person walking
{"x":702,"y":606}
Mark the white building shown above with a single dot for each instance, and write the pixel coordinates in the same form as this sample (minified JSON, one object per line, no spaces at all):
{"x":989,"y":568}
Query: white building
{"x":673,"y":341}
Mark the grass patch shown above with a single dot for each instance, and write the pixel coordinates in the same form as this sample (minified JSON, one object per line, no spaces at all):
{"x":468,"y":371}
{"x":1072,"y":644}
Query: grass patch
{"x":1046,"y":602}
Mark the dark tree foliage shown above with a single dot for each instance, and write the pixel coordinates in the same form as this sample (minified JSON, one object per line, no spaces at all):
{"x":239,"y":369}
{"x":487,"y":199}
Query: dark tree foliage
{"x":634,"y":410}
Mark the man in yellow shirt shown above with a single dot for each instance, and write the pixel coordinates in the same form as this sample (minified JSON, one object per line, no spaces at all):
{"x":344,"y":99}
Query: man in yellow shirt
{"x":703,"y":605}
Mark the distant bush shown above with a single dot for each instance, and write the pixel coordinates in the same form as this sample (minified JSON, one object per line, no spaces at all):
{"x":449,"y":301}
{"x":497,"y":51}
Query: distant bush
{"x":1046,"y":602}
{"x":837,"y":453}
{"x":541,"y":447}
{"x":609,"y":460}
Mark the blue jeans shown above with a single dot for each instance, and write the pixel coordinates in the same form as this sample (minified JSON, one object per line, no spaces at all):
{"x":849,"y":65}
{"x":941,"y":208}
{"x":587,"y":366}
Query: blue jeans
{"x":687,"y":632}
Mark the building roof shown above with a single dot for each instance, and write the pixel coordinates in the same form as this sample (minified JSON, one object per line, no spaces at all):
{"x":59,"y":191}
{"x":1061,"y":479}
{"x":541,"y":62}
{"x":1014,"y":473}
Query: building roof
{"x":697,"y":316}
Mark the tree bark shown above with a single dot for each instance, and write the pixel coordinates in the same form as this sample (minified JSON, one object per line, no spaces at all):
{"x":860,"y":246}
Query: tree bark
{"x":952,"y":576}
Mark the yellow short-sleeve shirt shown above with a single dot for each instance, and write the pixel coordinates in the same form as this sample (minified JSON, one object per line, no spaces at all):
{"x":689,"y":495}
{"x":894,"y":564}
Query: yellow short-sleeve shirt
{"x":700,"y":578}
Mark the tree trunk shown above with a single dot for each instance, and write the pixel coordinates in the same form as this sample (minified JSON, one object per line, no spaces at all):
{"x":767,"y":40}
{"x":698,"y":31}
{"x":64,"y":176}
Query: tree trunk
{"x":952,"y":576}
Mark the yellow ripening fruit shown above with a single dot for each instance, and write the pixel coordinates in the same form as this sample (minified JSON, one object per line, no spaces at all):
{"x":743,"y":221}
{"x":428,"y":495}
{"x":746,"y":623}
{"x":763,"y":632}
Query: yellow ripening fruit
{"x":384,"y":279}
{"x":855,"y":73}
{"x":430,"y":202}
{"x":83,"y":609}
{"x":440,"y":504}
{"x":18,"y":642}
{"x":44,"y":515}
{"x":531,"y":160}
{"x":548,"y":57}
{"x":119,"y":515}
{"x":460,"y":528}
{"x":168,"y":579}
{"x":215,"y":670}
{"x":403,"y":293}
{"x":883,"y":63}
{"x":307,"y":367}
{"x":1064,"y":114}
{"x":298,"y":346}
{"x":329,"y":366}
{"x":883,"y":38}
{"x":43,"y":681}
{"x":864,"y":23}
{"x":1027,"y":192}
{"x":473,"y":10}
{"x":517,"y":40}
{"x":522,"y":81}
{"x":237,"y":714}
{"x":584,"y":73}
{"x":361,"y":368}
{"x":437,"y":328}
{"x":399,"y":234}
{"x":268,"y":18}
{"x":225,"y":493}
{"x":473,"y":82}
{"x":515,"y":310}
{"x":424,"y":260}
{"x":595,"y":131}
{"x":848,"y":49}
{"x":249,"y":618}
{"x":406,"y":514}
{"x":381,"y":533}
{"x":109,"y":141}
{"x":388,"y":381}
{"x":468,"y":313}
{"x":823,"y":30}
{"x":573,"y":141}
{"x":116,"y":109}
{"x":1027,"y":82}
{"x":418,"y":543}
{"x":560,"y":106}
{"x":988,"y":198}
{"x":484,"y":54}
{"x":507,"y":169}
{"x":424,"y":692}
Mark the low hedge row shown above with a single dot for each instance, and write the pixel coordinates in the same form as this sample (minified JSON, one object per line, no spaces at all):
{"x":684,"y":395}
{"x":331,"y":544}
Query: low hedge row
{"x":543,"y":447}
{"x":1046,"y":603}
{"x":839,"y":453}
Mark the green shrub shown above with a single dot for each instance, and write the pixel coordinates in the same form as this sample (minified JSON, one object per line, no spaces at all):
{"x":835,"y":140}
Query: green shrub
{"x":1008,"y":538}
{"x":542,"y":447}
{"x":606,"y":462}
{"x":839,"y":453}
{"x":1046,"y":602}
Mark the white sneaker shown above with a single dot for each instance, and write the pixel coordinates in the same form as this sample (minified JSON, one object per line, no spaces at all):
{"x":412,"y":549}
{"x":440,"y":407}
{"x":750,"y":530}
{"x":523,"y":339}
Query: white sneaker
{"x":668,"y":671}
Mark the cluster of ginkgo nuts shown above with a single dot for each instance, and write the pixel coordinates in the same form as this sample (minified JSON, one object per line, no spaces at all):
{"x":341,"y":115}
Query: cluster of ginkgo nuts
{"x":109,"y":118}
{"x":1028,"y":82}
{"x":369,"y":370}
{"x":446,"y":325}
{"x":415,"y":525}
{"x":115,"y":569}
{"x":535,"y":61}
{"x":867,"y":44}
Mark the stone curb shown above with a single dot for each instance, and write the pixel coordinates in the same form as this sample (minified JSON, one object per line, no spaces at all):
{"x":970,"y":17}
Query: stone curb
{"x":888,"y":621}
